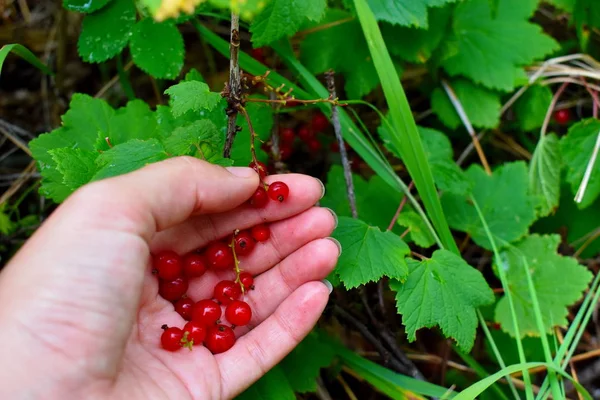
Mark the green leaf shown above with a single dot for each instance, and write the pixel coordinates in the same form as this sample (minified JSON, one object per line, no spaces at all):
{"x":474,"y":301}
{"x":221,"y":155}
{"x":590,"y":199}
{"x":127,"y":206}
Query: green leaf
{"x":407,"y":13}
{"x":544,"y":174}
{"x":356,"y":65}
{"x":187,"y":139}
{"x":128,"y":157}
{"x":566,"y":5}
{"x":84,"y":6}
{"x":478,"y":41}
{"x":416,"y":44}
{"x":134,"y":121}
{"x":554,"y":294}
{"x":418,"y":230}
{"x":76,"y":165}
{"x":532,"y":106}
{"x":369,"y":254}
{"x":481,"y":105}
{"x":157,"y":48}
{"x":281,"y":18}
{"x":191,"y":96}
{"x":272,"y":386}
{"x":504,"y":199}
{"x":86,"y":118}
{"x":106,"y":32}
{"x":444,"y":291}
{"x":586,"y":12}
{"x":576,"y":148}
{"x":25,"y":54}
{"x":6,"y":225}
{"x":194,"y":75}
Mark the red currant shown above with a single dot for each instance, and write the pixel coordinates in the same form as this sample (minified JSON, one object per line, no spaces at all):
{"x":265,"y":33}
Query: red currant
{"x":168,"y":265}
{"x":219,"y":256}
{"x":305,"y":133}
{"x":238,"y":313}
{"x":173,"y":290}
{"x":219,"y":339}
{"x":285,"y":151}
{"x":319,"y":122}
{"x":206,"y":312}
{"x":227,"y":291}
{"x":194,"y":265}
{"x":314,"y":145}
{"x":259,"y":199}
{"x":278,"y":191}
{"x":184,"y":308}
{"x":260,"y":233}
{"x":260,"y":168}
{"x":563,"y":116}
{"x":244,"y":243}
{"x":247,"y":280}
{"x":258,"y":54}
{"x":196,"y":332}
{"x":287,"y":135}
{"x":171,"y":338}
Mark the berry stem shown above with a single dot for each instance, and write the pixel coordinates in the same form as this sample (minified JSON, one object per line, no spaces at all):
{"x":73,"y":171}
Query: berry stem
{"x":253,"y":135}
{"x":236,"y":263}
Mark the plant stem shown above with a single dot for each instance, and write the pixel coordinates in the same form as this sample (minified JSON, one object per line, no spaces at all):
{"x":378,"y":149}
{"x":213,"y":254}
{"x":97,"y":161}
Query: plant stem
{"x":234,"y":92}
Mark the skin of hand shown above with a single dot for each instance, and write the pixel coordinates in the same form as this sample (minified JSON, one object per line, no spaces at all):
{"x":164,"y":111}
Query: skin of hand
{"x":79,"y":307}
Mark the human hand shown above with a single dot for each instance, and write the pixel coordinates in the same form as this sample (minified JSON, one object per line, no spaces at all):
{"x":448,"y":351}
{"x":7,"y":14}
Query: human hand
{"x":79,"y":306}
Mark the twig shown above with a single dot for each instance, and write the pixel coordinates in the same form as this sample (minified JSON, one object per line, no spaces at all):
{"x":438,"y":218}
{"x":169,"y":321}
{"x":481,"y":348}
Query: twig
{"x":335,"y":120}
{"x":234,"y":90}
{"x":16,"y":141}
{"x":112,"y":82}
{"x":551,"y":108}
{"x":400,"y":207}
{"x":275,"y":151}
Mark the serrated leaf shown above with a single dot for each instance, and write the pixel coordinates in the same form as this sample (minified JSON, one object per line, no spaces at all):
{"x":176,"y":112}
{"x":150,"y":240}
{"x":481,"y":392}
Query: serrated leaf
{"x":106,"y":32}
{"x":128,"y":157}
{"x":505,"y":202}
{"x":532,"y":106}
{"x":444,"y":291}
{"x":194,"y":75}
{"x":157,"y":48}
{"x":406,"y":13}
{"x":576,"y":148}
{"x":187,"y":139}
{"x":478,"y":41}
{"x":419,"y":233}
{"x":191,"y":96}
{"x":87,"y":117}
{"x":481,"y":105}
{"x":369,"y":254}
{"x":76,"y":165}
{"x":554,"y":294}
{"x":272,"y":386}
{"x":134,"y":121}
{"x":356,"y":65}
{"x":544,"y":174}
{"x":84,"y":6}
{"x":281,"y":18}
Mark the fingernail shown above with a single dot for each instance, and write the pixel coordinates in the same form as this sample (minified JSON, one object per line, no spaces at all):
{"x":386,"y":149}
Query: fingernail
{"x":337,"y":243}
{"x":322,"y":188}
{"x":335,"y":217}
{"x":242,"y":172}
{"x":328,"y":284}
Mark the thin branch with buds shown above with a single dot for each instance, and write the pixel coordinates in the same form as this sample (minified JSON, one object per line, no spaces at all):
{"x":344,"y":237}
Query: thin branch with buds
{"x":234,"y":87}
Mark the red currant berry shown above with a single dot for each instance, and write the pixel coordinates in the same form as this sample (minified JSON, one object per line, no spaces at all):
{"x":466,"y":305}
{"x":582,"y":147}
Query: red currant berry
{"x":260,"y":233}
{"x":314,"y":145}
{"x":196,"y":332}
{"x":260,"y":168}
{"x":194,"y":265}
{"x":258,"y":54}
{"x":305,"y":133}
{"x":173,"y":290}
{"x":168,"y":265}
{"x":278,"y":191}
{"x":238,"y":313}
{"x":171,"y":338}
{"x":563,"y":116}
{"x":319,"y":122}
{"x":259,"y":199}
{"x":285,"y":151}
{"x":184,"y":307}
{"x":219,"y":256}
{"x":219,"y":339}
{"x":227,"y":291}
{"x":244,"y":243}
{"x":287,"y":135}
{"x":247,"y":280}
{"x":206,"y":312}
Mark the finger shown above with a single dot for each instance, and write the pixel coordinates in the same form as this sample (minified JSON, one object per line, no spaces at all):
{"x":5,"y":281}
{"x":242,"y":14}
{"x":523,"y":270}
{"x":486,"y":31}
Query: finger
{"x":262,"y":348}
{"x":305,"y":192}
{"x":287,"y":236}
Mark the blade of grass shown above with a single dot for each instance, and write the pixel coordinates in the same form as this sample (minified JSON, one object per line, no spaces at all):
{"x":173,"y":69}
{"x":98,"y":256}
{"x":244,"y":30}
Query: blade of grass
{"x":405,"y":137}
{"x":25,"y":54}
{"x":504,"y":280}
{"x":482,"y":373}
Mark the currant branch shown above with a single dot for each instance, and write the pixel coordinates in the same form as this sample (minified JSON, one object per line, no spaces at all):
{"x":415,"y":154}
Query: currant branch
{"x":236,"y":262}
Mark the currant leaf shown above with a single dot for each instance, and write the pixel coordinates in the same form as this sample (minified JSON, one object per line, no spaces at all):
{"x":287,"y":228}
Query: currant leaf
{"x":544,"y":174}
{"x":407,"y":13}
{"x":191,"y":96}
{"x":106,"y":32}
{"x":544,"y":265}
{"x":128,"y":157}
{"x":532,"y":106}
{"x":369,"y":253}
{"x":134,"y":121}
{"x":271,"y":386}
{"x":504,"y":199}
{"x":445,"y":279}
{"x":577,"y":148}
{"x":77,"y":166}
{"x":419,"y":233}
{"x":186,"y":140}
{"x":157,"y":48}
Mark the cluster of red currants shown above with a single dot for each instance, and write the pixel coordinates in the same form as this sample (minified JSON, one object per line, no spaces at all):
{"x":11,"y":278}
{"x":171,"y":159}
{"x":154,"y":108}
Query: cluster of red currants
{"x":277,"y":191}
